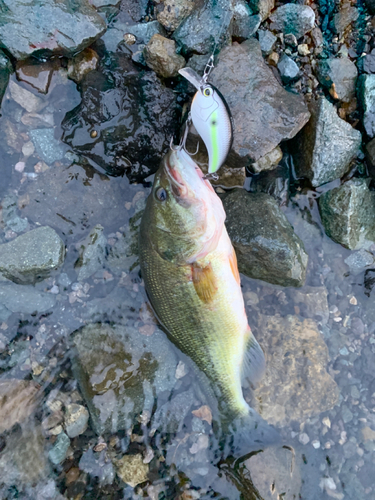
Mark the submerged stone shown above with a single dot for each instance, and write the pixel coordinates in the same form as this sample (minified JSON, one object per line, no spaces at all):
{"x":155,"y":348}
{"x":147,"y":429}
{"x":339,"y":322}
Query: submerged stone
{"x":348,"y":214}
{"x":366,"y":96}
{"x":25,"y":299}
{"x":160,"y":55}
{"x":132,"y":470}
{"x":82,"y":64}
{"x":92,"y":253}
{"x":38,"y":75}
{"x":10,"y":214}
{"x":47,"y":146}
{"x":18,"y":401}
{"x":57,"y":453}
{"x":325,"y":147}
{"x":32,"y":256}
{"x":264,"y":113}
{"x":48,"y":27}
{"x":120,"y":372}
{"x":340,"y":72}
{"x":296,"y":385}
{"x":266,"y":246}
{"x":293,"y":18}
{"x":5,"y":70}
{"x":125,"y":120}
{"x":97,"y":465}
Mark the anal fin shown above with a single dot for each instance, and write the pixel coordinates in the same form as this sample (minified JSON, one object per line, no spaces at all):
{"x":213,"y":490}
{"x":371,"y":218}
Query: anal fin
{"x":254,"y":362}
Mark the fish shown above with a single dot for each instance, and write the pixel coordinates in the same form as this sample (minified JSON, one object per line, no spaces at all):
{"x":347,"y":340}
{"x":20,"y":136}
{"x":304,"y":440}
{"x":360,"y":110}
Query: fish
{"x":190,"y":272}
{"x":212,"y":119}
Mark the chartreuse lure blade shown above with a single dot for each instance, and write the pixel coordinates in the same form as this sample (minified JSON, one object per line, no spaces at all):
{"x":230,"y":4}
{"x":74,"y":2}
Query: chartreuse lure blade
{"x":211,"y":118}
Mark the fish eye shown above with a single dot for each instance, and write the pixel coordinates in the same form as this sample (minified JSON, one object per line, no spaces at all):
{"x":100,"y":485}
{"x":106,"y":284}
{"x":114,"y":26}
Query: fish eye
{"x":207,"y":91}
{"x":161,"y":194}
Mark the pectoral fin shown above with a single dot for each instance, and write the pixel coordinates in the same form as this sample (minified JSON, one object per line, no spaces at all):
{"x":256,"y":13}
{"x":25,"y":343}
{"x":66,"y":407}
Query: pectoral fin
{"x":204,"y":282}
{"x":234,"y":266}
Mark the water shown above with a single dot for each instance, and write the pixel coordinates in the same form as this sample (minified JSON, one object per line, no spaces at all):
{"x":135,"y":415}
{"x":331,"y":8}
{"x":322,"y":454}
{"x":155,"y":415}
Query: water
{"x":322,"y":398}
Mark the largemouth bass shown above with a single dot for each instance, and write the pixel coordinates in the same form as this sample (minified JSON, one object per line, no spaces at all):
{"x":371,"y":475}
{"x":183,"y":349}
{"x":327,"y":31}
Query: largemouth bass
{"x":190,"y":271}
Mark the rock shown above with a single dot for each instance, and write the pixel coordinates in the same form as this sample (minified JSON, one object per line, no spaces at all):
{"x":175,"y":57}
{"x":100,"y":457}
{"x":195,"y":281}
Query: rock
{"x":267,"y":41}
{"x":293,"y":18}
{"x":264,"y":112}
{"x":76,"y":419}
{"x":132,"y":470}
{"x":118,"y":32}
{"x":37,"y":76}
{"x":160,"y":55}
{"x":18,"y":401}
{"x":369,"y":62}
{"x":274,"y":473}
{"x":348,"y":214}
{"x":58,"y":452}
{"x":174,"y":12}
{"x":273,"y":182}
{"x":345,"y":16}
{"x":32,"y":256}
{"x":312,"y":302}
{"x":82,"y":64}
{"x":244,"y":24}
{"x":198,"y":63}
{"x":35,"y":120}
{"x":358,"y":261}
{"x":25,"y":299}
{"x":207,"y":25}
{"x":10,"y":215}
{"x":125,"y":120}
{"x":366,"y":96}
{"x":265,"y":244}
{"x":25,"y":98}
{"x":92,"y":253}
{"x":370,"y":5}
{"x":120,"y":372}
{"x":47,"y":146}
{"x":368,"y":434}
{"x":340,"y":72}
{"x":303,"y":49}
{"x":289,"y":70}
{"x":296,"y":385}
{"x":97,"y":465}
{"x":369,"y":281}
{"x":48,"y":27}
{"x":290,"y":40}
{"x":5,"y":71}
{"x":324,"y":149}
{"x":262,"y":7}
{"x":268,"y":161}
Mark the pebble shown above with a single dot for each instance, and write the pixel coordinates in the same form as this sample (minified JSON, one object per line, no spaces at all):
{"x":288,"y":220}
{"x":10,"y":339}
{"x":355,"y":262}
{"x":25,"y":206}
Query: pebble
{"x":181,"y":370}
{"x":76,"y":420}
{"x":57,"y":453}
{"x":24,"y":98}
{"x":132,"y":470}
{"x":303,"y":438}
{"x":303,"y":49}
{"x":316,"y":444}
{"x":20,"y":166}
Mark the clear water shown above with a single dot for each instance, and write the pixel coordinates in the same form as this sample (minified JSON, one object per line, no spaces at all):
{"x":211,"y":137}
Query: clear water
{"x":333,"y":448}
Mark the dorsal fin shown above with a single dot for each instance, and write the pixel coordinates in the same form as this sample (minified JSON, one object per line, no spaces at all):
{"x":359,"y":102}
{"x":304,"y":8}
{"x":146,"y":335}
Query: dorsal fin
{"x":204,"y":281}
{"x":254,"y":362}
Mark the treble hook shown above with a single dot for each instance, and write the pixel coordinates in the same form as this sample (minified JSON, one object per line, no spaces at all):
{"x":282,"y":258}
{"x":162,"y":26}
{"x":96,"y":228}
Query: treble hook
{"x":211,"y":177}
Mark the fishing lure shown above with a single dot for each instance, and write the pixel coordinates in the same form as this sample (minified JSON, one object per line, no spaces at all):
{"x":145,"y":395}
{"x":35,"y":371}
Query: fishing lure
{"x":210,"y":116}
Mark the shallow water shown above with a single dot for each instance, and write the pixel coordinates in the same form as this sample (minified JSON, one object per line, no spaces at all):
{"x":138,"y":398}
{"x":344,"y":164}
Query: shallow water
{"x":333,"y":453}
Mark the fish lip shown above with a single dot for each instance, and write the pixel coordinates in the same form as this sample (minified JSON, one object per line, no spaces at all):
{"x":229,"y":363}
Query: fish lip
{"x":179,"y":190}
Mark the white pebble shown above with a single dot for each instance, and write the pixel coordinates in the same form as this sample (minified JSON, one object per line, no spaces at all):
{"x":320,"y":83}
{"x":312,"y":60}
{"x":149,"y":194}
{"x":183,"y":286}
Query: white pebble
{"x":303,"y":438}
{"x":316,"y":444}
{"x":326,"y":421}
{"x":20,"y":166}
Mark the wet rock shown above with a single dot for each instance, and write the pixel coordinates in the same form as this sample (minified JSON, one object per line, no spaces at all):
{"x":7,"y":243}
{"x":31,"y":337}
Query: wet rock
{"x":124,"y":253}
{"x":47,"y":146}
{"x":174,"y":12}
{"x":268,"y":161}
{"x":324,"y":149}
{"x":132,"y":470}
{"x":264,"y":112}
{"x":206,"y":25}
{"x":18,"y":401}
{"x":366,"y":96}
{"x":289,"y":70}
{"x":143,"y":33}
{"x":25,"y":98}
{"x":312,"y":303}
{"x":10,"y":215}
{"x":369,"y":281}
{"x":58,"y":452}
{"x":273,"y":182}
{"x":345,"y":16}
{"x":76,"y":419}
{"x":293,"y":18}
{"x":97,"y":465}
{"x":125,"y":120}
{"x":170,"y":416}
{"x":32,"y":256}
{"x":358,"y":261}
{"x":35,"y":120}
{"x":82,"y":64}
{"x":244,"y":24}
{"x":92,"y":253}
{"x":267,"y":41}
{"x":120,"y":372}
{"x":48,"y":27}
{"x":348,"y":214}
{"x":5,"y":70}
{"x":296,"y":385}
{"x":262,"y":7}
{"x":266,"y":246}
{"x":25,"y":299}
{"x":274,"y":472}
{"x":160,"y":55}
{"x":37,"y":76}
{"x":340,"y":72}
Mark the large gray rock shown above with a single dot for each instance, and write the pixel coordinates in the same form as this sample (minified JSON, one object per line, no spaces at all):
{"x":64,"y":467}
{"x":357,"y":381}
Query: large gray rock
{"x":366,"y":96}
{"x":296,"y":385}
{"x":324,"y":149}
{"x":266,"y":246}
{"x":25,"y":299}
{"x":48,"y":27}
{"x":160,"y":55}
{"x":345,"y":16}
{"x":293,"y":18}
{"x":264,"y":112}
{"x":120,"y":372}
{"x":32,"y":256}
{"x":340,"y":72}
{"x":348,"y":214}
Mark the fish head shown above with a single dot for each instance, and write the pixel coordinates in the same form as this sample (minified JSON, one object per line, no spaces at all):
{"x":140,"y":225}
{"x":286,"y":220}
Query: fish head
{"x":184,"y":216}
